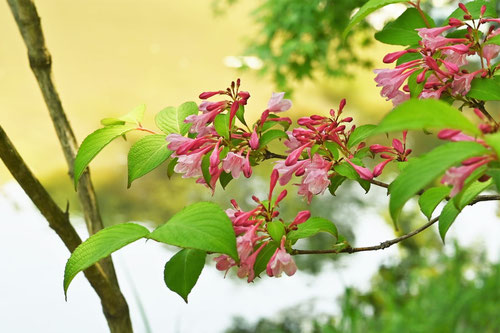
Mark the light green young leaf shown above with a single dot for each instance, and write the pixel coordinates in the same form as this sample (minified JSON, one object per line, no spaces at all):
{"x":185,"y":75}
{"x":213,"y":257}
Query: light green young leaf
{"x":171,"y":119}
{"x":203,"y":226}
{"x":494,"y":141}
{"x":311,"y":227}
{"x":183,"y":270}
{"x":99,"y":246}
{"x":421,"y":171}
{"x":431,"y":199}
{"x":276,"y":230}
{"x":145,"y":155}
{"x":94,"y":143}
{"x":417,"y":114}
{"x":359,"y":134}
{"x":135,"y":116}
{"x":366,"y":10}
{"x":221,"y":124}
{"x":272,"y":135}
{"x":402,"y":30}
{"x":487,"y":89}
{"x":112,"y":121}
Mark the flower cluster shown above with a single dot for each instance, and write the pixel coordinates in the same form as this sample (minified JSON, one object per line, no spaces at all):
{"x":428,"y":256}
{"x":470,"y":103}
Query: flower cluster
{"x":440,"y":61}
{"x":251,"y":228}
{"x":216,"y":143}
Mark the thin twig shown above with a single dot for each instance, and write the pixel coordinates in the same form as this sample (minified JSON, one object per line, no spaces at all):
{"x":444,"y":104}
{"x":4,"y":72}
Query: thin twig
{"x":388,"y":243}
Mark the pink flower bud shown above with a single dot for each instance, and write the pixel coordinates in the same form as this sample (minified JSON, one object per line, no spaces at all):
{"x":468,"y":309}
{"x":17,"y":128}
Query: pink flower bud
{"x":393,"y":56}
{"x":398,"y":146}
{"x":274,"y":179}
{"x":377,"y":171}
{"x":455,"y":22}
{"x":234,"y":108}
{"x":483,"y":10}
{"x":342,"y":105}
{"x":463,"y":8}
{"x":364,"y":173}
{"x":294,"y":156}
{"x":376,"y":148}
{"x":346,"y":120}
{"x":254,"y":140}
{"x":281,"y":196}
{"x":208,"y":94}
{"x":244,"y":95}
{"x":247,"y":168}
{"x":301,"y":218}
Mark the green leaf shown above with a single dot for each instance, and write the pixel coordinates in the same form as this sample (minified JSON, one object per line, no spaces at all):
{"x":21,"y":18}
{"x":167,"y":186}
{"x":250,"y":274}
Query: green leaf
{"x":495,"y":175}
{"x":145,"y":155}
{"x":458,"y":203}
{"x":335,"y":182}
{"x":271,"y":135}
{"x":111,"y":122}
{"x":431,"y":199}
{"x":311,"y":227}
{"x":487,"y":89}
{"x":135,"y":116}
{"x":417,"y":114}
{"x":94,"y":143}
{"x":494,"y":141}
{"x":263,"y":257}
{"x":99,"y":246}
{"x":183,"y":270}
{"x":268,"y":124}
{"x":205,"y":168}
{"x":416,"y":88}
{"x":474,"y":8}
{"x":366,"y":10}
{"x":493,"y":40}
{"x":276,"y":230}
{"x":333,"y":148}
{"x":203,"y":226}
{"x":240,"y":114}
{"x":359,"y":134}
{"x":402,"y":30}
{"x":225,"y":178}
{"x":171,"y":166}
{"x":171,"y":119}
{"x":421,"y":171}
{"x":409,"y":56}
{"x":221,"y":124}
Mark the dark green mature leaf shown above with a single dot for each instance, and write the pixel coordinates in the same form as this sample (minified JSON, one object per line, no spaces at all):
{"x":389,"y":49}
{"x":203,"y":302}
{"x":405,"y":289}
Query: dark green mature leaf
{"x":171,"y":119}
{"x":366,"y":10}
{"x":268,"y":124}
{"x":94,"y":143}
{"x":495,"y":175}
{"x":421,"y":171}
{"x":205,"y":165}
{"x":183,"y":270}
{"x":276,"y":230}
{"x":487,"y":89}
{"x":272,"y":135}
{"x":240,"y":114}
{"x":225,"y":178}
{"x":333,"y":148}
{"x":135,"y":116}
{"x":311,"y":227}
{"x":402,"y":30}
{"x":221,"y":124}
{"x":431,"y":199}
{"x":145,"y":155}
{"x":264,"y":256}
{"x":203,"y":226}
{"x":99,"y":246}
{"x":474,"y":8}
{"x":171,"y":166}
{"x":346,"y":170}
{"x":418,"y":114}
{"x":416,"y":88}
{"x":359,"y":134}
{"x":458,"y":203}
{"x":493,"y":40}
{"x":335,"y":182}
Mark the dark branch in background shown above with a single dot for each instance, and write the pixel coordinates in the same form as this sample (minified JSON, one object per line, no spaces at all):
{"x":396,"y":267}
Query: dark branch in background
{"x":28,"y":22}
{"x":390,"y":242}
{"x":113,"y":303}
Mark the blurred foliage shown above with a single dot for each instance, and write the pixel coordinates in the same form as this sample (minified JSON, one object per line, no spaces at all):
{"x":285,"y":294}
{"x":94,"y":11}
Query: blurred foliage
{"x":424,"y":292}
{"x":300,"y":38}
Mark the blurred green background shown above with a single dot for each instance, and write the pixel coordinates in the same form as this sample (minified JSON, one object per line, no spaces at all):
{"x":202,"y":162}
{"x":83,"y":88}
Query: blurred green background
{"x":110,"y":56}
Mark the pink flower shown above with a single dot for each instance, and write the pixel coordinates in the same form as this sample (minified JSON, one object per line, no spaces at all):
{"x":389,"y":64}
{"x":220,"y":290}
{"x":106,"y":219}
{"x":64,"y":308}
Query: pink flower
{"x":316,"y":175}
{"x":456,"y":176}
{"x":278,"y":104}
{"x":286,"y":172}
{"x":391,"y":80}
{"x":247,"y":266}
{"x":399,"y":98}
{"x":294,"y":156}
{"x":461,"y":82}
{"x":254,"y":140}
{"x":281,"y":261}
{"x":224,"y":262}
{"x":364,"y":173}
{"x":459,"y":59}
{"x":201,"y":121}
{"x":490,"y":52}
{"x":190,"y":164}
{"x":233,"y":163}
{"x":176,"y":141}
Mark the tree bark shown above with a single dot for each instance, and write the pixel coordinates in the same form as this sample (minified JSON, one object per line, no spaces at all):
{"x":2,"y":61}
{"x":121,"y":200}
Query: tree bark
{"x":28,"y":22}
{"x":114,"y":306}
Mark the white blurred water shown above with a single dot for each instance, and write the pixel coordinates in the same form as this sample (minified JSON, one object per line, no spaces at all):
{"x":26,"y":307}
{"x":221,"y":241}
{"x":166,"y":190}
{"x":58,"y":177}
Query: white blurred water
{"x":33,"y":259}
